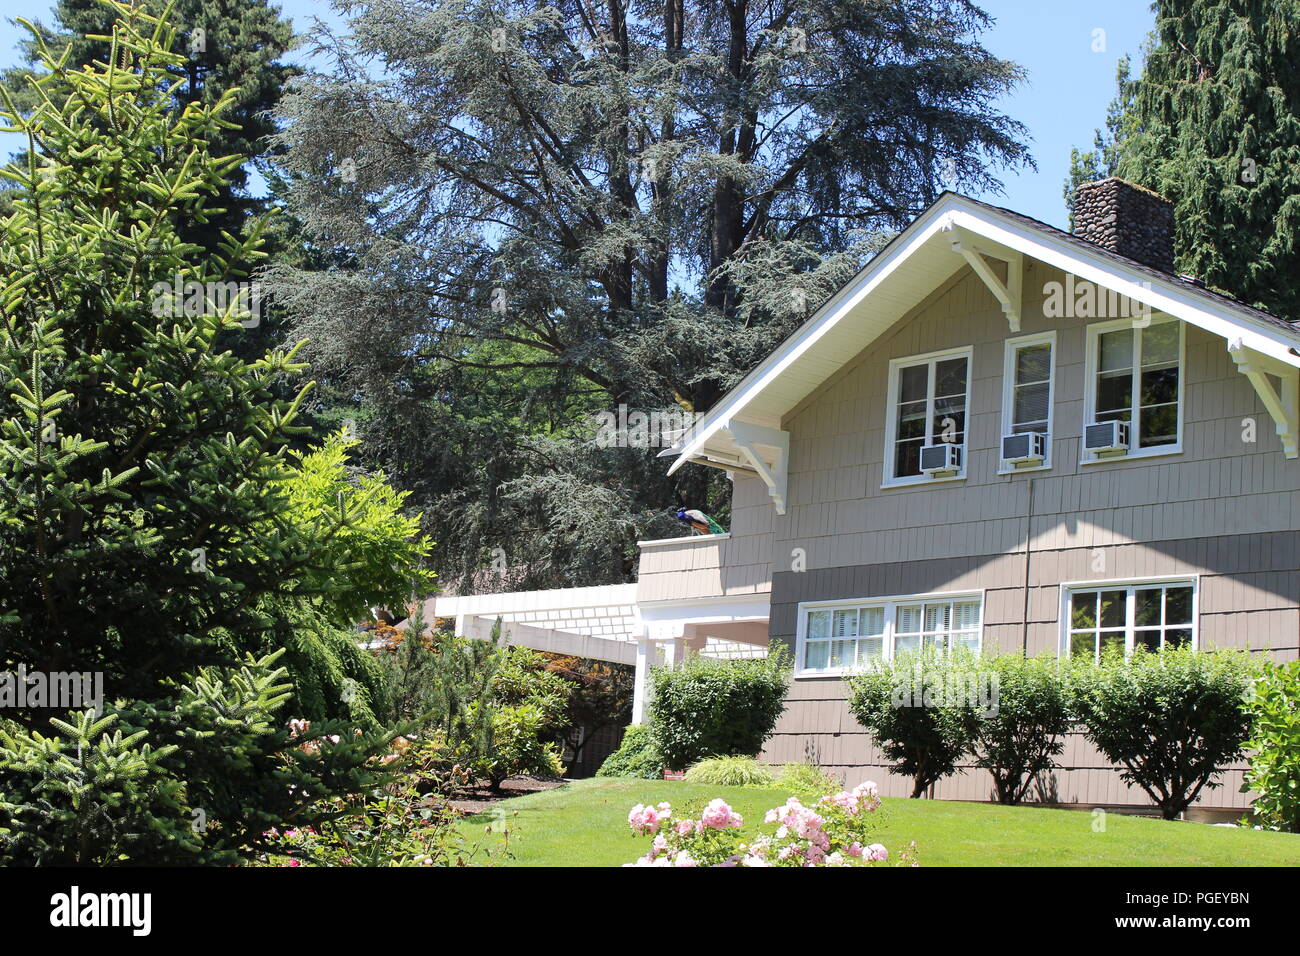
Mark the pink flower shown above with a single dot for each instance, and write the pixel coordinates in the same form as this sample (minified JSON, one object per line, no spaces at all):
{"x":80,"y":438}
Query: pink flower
{"x":877,"y":852}
{"x":643,"y":819}
{"x":718,"y":816}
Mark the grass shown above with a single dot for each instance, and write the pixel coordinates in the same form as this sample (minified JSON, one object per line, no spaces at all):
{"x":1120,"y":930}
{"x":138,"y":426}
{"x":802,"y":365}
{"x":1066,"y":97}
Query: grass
{"x":585,"y":824}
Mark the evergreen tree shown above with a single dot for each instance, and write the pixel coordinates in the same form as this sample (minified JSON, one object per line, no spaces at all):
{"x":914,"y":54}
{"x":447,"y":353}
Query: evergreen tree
{"x":1213,"y":124}
{"x":545,"y":212}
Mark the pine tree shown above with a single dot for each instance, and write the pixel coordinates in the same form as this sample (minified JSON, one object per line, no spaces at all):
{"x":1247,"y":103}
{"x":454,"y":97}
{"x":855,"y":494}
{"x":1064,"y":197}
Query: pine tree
{"x":1214,"y":125}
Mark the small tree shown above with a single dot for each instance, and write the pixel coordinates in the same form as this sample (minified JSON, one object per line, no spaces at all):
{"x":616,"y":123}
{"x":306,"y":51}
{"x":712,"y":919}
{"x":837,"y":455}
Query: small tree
{"x":905,"y":705}
{"x":1020,"y":735}
{"x":1274,"y":710}
{"x":1171,"y":719}
{"x":712,"y":708}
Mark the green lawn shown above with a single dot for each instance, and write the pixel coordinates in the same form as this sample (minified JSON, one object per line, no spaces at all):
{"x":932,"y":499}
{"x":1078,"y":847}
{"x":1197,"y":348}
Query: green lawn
{"x":585,"y":824}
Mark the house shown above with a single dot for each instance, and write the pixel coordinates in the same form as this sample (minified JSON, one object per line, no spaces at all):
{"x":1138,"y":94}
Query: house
{"x":997,"y":435}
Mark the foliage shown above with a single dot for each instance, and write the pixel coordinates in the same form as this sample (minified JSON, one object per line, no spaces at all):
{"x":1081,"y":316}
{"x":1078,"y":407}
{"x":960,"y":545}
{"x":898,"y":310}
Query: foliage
{"x":1213,"y":124}
{"x":543,"y":217}
{"x":710,"y":707}
{"x":1171,"y":719}
{"x":601,"y":698}
{"x":833,"y":832}
{"x":636,"y":756}
{"x":154,"y":520}
{"x":393,"y":826}
{"x":1017,"y":739}
{"x":1273,"y":707}
{"x":731,"y":772}
{"x":908,"y":706}
{"x":807,"y":780}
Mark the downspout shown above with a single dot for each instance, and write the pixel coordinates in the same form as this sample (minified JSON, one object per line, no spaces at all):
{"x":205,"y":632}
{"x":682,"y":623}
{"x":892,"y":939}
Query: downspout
{"x":1029,"y":530}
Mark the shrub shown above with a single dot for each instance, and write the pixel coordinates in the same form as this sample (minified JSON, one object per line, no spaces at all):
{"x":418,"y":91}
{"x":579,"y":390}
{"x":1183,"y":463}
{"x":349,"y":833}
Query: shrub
{"x":1169,"y":719}
{"x":636,"y":756}
{"x":709,"y":707}
{"x":1274,"y":710}
{"x":1018,"y":738}
{"x":833,"y":832}
{"x":906,"y":706}
{"x":731,"y":772}
{"x":807,"y":780}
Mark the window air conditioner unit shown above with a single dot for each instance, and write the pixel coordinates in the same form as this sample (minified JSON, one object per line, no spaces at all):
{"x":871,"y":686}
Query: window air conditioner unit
{"x":1029,"y":448}
{"x":1106,"y":438}
{"x":940,"y":460}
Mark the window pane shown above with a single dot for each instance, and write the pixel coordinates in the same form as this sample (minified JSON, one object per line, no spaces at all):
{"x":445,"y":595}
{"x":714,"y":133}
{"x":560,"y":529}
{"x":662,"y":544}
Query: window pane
{"x":907,"y":458}
{"x":1180,"y":637}
{"x":1115,"y":350}
{"x":1083,"y":645}
{"x":1146,"y":611}
{"x":1112,"y":644}
{"x":815,"y":655}
{"x":938,"y":617}
{"x":1083,"y":610}
{"x":950,"y":377}
{"x":949,"y":420}
{"x":906,"y":645}
{"x":842,"y":653}
{"x":1178,"y":605}
{"x":1160,"y":343}
{"x":870,"y":648}
{"x":819,"y":624}
{"x":1160,"y":385}
{"x":911,"y":420}
{"x":908,"y":618}
{"x":1114,"y":396}
{"x":1030,"y":406}
{"x":1159,"y":426}
{"x":846,"y":624}
{"x":912,"y":383}
{"x":1147,"y":639}
{"x":1033,"y":363}
{"x":966,"y":616}
{"x":873,"y":621}
{"x":1113,"y":610}
{"x":969,"y":640}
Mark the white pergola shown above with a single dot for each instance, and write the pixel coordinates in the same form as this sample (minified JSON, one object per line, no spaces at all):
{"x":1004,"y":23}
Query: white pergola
{"x":606,"y":623}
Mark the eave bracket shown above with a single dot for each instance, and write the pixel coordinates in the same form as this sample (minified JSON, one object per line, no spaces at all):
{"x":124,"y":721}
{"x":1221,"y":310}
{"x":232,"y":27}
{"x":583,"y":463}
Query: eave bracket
{"x":1008,"y":293}
{"x":767,"y":451}
{"x":1282,"y":400}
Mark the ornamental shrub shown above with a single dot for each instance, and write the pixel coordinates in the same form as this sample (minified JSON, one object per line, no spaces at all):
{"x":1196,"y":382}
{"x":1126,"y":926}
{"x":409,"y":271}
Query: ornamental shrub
{"x":731,"y":772}
{"x":1274,"y":710}
{"x":709,"y":707}
{"x":636,"y":756}
{"x":916,"y":708}
{"x":1171,"y":719}
{"x":1019,"y":737}
{"x":807,"y":780}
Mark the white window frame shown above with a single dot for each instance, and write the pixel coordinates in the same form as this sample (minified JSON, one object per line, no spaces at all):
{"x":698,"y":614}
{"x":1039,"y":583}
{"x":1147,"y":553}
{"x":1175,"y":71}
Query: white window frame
{"x":1008,"y":396}
{"x":1090,"y":388}
{"x":1132,"y":586}
{"x":891,"y":414}
{"x":890,"y":604}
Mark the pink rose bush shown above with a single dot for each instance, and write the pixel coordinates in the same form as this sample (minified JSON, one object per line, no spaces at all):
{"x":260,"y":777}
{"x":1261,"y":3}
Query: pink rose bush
{"x":833,"y":832}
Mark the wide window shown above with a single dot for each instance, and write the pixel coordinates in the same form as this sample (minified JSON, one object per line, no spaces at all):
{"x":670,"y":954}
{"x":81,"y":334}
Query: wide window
{"x":845,"y":637}
{"x":1135,"y":376}
{"x":1118,"y":618}
{"x":928,"y":398}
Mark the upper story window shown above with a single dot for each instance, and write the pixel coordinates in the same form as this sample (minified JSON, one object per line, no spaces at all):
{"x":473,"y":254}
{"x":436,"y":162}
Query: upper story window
{"x":928,"y":399}
{"x":1027,"y":379}
{"x":1135,"y":377}
{"x":1126,"y":616}
{"x":844,"y":637}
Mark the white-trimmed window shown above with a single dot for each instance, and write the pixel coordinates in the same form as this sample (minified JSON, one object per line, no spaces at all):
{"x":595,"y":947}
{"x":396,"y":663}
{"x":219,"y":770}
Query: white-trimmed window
{"x":1135,"y":375}
{"x":1027,"y":387}
{"x":835,"y":638}
{"x":928,"y":399}
{"x":1153,"y":615}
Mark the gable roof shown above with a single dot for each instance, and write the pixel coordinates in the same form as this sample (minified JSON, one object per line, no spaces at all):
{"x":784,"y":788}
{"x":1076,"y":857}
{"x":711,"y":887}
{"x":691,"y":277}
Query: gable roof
{"x":915,"y":263}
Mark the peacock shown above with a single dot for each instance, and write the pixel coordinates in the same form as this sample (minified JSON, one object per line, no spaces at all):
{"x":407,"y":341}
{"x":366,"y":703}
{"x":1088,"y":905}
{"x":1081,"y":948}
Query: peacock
{"x":699,"y":521}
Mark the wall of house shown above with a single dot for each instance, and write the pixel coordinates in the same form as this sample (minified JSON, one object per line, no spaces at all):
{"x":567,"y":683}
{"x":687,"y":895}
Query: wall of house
{"x":1222,"y":509}
{"x":712,"y":567}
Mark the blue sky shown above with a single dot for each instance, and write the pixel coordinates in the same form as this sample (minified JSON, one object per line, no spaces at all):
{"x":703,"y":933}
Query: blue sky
{"x":1064,"y":98}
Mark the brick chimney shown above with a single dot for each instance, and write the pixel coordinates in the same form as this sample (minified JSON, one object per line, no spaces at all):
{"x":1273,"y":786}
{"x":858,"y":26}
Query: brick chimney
{"x":1127,"y":219}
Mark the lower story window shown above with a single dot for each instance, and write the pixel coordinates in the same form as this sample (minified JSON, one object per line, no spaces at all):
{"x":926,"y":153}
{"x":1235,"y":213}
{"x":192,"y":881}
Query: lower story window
{"x":852,"y":636}
{"x":1116,"y":618}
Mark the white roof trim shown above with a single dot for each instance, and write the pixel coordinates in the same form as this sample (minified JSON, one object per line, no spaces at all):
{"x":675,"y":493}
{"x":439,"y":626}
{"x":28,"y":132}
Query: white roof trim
{"x":951,"y":210}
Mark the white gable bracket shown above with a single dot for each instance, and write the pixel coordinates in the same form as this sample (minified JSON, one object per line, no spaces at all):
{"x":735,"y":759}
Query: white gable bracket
{"x":1283,"y":404}
{"x":1010,"y":293}
{"x":768,"y":452}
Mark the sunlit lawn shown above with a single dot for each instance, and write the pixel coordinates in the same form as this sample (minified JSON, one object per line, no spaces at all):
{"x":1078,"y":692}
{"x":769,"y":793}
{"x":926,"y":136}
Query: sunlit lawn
{"x":585,"y":824}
